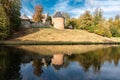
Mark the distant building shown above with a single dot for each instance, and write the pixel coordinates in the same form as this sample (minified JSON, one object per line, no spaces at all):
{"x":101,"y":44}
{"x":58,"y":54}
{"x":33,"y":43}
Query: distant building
{"x":58,"y":20}
{"x":25,"y":21}
{"x":45,"y":16}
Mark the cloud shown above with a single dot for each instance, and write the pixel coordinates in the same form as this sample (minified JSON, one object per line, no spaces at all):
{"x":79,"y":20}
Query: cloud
{"x":74,"y":7}
{"x":98,"y":3}
{"x":107,"y":6}
{"x":62,"y":5}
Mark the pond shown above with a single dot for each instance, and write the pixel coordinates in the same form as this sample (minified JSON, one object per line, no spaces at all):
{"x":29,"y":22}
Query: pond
{"x":77,"y":62}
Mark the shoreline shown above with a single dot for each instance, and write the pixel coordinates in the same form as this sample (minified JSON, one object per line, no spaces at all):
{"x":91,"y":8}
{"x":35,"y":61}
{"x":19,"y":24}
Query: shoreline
{"x":55,"y":43}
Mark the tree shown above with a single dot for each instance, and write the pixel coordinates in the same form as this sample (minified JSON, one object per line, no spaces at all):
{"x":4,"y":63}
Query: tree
{"x":4,"y":23}
{"x":67,"y":18}
{"x":66,"y":15}
{"x":49,"y":19}
{"x":37,"y":16}
{"x":85,"y":20}
{"x":12,"y":10}
{"x":110,"y":20}
{"x":117,"y":17}
{"x":72,"y":22}
{"x":98,"y":16}
{"x":115,"y":27}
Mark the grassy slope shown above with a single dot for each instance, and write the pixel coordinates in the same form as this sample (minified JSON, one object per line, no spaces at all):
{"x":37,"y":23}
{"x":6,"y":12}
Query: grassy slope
{"x":50,"y":34}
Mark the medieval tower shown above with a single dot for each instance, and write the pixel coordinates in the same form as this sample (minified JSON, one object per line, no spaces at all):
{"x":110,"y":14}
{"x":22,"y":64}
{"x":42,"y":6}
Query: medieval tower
{"x":58,"y":20}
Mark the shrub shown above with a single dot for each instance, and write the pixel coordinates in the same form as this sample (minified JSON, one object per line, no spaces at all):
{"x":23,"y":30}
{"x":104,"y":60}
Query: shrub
{"x":100,"y":30}
{"x":72,"y":22}
{"x":115,"y":31}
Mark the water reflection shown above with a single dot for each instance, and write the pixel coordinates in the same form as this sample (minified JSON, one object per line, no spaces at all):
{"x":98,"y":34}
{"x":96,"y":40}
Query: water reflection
{"x":19,"y":64}
{"x":57,"y":61}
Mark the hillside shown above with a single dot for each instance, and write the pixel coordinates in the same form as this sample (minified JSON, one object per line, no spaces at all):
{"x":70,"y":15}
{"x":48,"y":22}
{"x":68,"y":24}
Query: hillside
{"x":50,"y":34}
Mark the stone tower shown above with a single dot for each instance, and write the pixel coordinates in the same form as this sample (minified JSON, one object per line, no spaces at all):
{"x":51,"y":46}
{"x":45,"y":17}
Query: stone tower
{"x":58,"y":20}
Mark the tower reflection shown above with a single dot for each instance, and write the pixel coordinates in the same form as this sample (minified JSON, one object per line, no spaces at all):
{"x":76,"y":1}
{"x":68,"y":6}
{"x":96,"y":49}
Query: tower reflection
{"x":57,"y":61}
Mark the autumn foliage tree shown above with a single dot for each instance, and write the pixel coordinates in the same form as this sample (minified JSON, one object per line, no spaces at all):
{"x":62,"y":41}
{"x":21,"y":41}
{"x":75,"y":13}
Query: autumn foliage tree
{"x":37,"y":16}
{"x":115,"y":26}
{"x":85,"y":20}
{"x":94,"y":23}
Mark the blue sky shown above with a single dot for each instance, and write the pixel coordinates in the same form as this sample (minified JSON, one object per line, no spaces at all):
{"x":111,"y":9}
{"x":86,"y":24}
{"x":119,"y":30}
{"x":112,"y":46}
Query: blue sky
{"x":74,"y":7}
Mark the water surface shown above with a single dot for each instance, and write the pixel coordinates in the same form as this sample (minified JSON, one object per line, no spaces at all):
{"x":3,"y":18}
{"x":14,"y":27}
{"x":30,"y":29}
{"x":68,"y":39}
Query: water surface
{"x":83,"y":62}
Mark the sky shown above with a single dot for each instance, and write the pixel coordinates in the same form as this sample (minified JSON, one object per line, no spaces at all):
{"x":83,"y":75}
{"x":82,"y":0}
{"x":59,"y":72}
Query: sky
{"x":74,"y":7}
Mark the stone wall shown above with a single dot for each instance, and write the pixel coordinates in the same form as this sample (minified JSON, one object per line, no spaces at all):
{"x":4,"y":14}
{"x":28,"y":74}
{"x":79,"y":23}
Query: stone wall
{"x":39,"y":24}
{"x":26,"y":24}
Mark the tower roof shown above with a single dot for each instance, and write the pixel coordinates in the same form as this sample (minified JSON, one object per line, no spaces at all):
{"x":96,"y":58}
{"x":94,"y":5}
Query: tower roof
{"x":58,"y":14}
{"x":25,"y":17}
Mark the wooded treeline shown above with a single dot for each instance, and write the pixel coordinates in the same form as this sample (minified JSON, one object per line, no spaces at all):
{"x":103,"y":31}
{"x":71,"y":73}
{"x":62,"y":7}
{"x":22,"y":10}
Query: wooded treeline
{"x":96,"y":23}
{"x":9,"y":17}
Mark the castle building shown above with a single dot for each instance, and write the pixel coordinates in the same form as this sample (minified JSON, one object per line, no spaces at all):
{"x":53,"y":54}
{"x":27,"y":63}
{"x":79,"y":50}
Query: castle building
{"x":25,"y":21}
{"x":58,"y":20}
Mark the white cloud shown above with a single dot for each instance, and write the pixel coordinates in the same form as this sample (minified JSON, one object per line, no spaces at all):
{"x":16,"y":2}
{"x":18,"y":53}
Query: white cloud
{"x":26,"y":9}
{"x":62,"y":5}
{"x":108,"y":6}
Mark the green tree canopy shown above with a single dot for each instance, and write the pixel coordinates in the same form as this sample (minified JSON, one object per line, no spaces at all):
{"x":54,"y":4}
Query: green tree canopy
{"x":4,"y":23}
{"x":11,"y":9}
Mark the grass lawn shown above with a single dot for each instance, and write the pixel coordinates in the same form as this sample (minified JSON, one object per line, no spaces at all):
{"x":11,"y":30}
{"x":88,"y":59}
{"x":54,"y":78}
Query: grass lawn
{"x":51,"y":34}
{"x":54,"y":36}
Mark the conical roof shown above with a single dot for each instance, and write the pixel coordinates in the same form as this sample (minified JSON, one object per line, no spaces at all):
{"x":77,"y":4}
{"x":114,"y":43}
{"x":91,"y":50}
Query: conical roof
{"x":25,"y":17}
{"x":58,"y":14}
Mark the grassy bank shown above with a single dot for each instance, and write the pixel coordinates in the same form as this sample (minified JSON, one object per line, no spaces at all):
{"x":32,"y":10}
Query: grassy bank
{"x":51,"y":36}
{"x":55,"y":43}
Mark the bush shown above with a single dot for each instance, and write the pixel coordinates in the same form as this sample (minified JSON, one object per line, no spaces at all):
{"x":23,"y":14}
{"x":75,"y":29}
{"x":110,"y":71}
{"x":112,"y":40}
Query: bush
{"x":100,"y":30}
{"x":71,"y":22}
{"x":103,"y":32}
{"x":115,"y":31}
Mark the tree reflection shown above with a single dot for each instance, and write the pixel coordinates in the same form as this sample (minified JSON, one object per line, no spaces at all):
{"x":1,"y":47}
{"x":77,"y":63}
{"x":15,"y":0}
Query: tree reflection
{"x":92,"y":59}
{"x":11,"y":58}
{"x":9,"y":64}
{"x":96,"y":58}
{"x":38,"y":65}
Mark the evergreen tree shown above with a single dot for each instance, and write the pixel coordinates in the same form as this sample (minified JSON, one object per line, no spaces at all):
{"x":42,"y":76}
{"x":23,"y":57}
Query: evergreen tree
{"x":117,"y":17}
{"x":98,"y":16}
